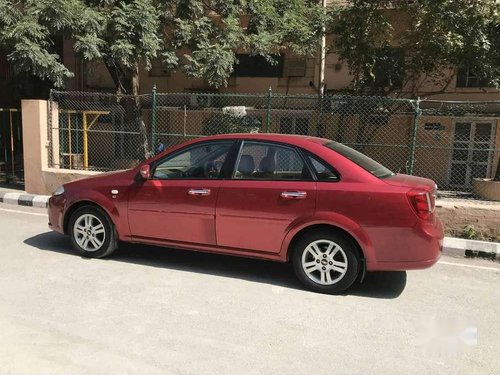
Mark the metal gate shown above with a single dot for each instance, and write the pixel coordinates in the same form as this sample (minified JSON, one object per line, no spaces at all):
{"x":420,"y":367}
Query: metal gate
{"x":473,"y":149}
{"x":11,"y":146}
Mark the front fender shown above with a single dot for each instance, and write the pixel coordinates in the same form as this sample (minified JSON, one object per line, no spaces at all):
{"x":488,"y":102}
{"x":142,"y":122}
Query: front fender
{"x":118,"y":218}
{"x":332,"y":219}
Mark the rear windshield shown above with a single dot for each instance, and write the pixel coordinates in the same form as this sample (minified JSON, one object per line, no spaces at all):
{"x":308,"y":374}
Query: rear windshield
{"x":376,"y":169}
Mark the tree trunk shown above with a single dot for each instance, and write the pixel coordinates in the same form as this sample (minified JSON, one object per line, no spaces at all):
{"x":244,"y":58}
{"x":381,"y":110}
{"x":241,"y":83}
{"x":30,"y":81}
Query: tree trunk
{"x":140,"y":122}
{"x":127,"y":83}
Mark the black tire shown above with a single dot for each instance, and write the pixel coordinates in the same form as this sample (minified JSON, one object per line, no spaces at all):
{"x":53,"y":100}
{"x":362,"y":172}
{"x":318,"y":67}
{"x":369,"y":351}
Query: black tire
{"x":109,"y":237}
{"x":348,"y":250}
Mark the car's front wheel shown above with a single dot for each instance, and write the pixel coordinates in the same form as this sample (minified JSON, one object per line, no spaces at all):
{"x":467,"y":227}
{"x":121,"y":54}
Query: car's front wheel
{"x":326,"y":261}
{"x":92,"y":232}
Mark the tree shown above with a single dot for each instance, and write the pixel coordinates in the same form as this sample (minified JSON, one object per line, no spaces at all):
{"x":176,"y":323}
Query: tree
{"x":423,"y":40}
{"x":393,"y":47}
{"x":201,"y":37}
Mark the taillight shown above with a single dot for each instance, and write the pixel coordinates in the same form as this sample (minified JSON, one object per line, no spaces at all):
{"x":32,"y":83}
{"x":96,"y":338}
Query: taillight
{"x":423,"y":202}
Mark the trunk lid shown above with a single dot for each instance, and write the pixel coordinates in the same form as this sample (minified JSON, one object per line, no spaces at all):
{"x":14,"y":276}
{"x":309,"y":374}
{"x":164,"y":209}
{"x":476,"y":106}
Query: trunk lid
{"x":412,"y":182}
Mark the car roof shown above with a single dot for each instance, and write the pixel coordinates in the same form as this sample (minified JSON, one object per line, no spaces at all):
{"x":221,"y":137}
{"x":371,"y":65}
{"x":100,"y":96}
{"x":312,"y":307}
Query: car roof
{"x":294,"y":139}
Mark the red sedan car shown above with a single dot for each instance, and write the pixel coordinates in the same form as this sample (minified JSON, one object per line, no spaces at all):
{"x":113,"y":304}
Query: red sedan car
{"x":330,"y":210}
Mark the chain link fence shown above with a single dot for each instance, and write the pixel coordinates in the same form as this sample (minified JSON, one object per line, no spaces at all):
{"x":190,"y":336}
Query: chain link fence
{"x":450,"y":142}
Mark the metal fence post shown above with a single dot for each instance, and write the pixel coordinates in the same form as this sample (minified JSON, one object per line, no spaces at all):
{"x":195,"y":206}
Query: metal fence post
{"x":85,"y":142}
{"x":153,"y":118}
{"x":413,"y":145}
{"x":50,"y":160}
{"x":12,"y":156}
{"x":269,"y":107}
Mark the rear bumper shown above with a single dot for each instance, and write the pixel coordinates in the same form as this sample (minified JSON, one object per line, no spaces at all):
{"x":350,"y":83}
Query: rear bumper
{"x":412,"y":248}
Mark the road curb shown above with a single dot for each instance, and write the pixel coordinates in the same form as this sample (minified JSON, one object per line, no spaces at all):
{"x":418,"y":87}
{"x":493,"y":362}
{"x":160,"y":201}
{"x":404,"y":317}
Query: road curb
{"x":23,"y":199}
{"x":471,"y":248}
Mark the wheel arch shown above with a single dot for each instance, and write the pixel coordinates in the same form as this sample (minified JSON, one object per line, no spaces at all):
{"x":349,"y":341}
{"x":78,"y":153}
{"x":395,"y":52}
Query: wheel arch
{"x":330,"y":221}
{"x":78,"y":204}
{"x":323,"y":226}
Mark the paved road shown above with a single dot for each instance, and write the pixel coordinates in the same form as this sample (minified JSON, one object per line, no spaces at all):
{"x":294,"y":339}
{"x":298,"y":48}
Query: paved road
{"x":149,"y":310}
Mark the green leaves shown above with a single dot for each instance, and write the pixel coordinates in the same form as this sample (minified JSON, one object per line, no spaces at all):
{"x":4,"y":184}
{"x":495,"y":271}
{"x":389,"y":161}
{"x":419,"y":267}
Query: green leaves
{"x":463,"y":34}
{"x":435,"y":36}
{"x":259,"y":27}
{"x":135,"y":26}
{"x":200,"y":37}
{"x":211,"y":62}
{"x":28,"y":44}
{"x":9,"y":14}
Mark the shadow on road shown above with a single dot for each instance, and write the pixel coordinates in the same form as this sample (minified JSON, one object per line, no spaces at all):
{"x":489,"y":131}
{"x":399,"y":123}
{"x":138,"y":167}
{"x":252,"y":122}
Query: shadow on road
{"x":376,"y":284}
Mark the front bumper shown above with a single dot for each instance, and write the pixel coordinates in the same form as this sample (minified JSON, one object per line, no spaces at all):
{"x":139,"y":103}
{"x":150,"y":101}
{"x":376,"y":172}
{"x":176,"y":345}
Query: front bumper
{"x":55,"y":210}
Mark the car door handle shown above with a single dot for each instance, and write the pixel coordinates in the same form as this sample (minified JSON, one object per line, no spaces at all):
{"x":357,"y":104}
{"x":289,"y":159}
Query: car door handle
{"x":199,"y":192}
{"x":293,"y":194}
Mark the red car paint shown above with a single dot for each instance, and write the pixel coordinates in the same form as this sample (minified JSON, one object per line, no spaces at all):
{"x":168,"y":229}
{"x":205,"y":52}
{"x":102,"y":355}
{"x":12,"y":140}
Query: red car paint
{"x":247,"y":218}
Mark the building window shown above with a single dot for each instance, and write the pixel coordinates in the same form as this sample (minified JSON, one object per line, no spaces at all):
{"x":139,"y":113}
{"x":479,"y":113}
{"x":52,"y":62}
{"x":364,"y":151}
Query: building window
{"x":258,"y":66}
{"x":389,"y":68}
{"x":159,"y":69}
{"x":467,"y":78}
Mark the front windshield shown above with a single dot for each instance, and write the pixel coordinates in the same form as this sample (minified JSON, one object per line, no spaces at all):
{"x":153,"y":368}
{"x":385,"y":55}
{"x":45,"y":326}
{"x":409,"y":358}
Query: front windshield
{"x":376,"y":169}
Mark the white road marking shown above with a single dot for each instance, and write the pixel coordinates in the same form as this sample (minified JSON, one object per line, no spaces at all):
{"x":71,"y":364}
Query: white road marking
{"x":469,"y":266}
{"x":22,"y":212}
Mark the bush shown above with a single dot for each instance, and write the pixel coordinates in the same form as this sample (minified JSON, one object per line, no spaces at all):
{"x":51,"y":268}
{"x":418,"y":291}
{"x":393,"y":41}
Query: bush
{"x":470,"y":232}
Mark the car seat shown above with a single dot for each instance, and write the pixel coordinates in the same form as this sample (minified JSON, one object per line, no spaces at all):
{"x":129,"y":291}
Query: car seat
{"x":267,"y":168}
{"x":246,"y":167}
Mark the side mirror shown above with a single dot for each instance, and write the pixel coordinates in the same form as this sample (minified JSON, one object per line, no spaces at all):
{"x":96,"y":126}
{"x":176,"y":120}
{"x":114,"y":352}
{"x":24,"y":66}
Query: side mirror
{"x":145,"y":171}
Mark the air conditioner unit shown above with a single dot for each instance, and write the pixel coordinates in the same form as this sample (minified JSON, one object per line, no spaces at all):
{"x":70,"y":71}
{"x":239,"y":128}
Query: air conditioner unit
{"x":201,"y":101}
{"x":296,"y":67}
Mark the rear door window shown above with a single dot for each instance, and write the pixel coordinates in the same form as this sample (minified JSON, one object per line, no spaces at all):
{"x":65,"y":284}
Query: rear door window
{"x":269,"y":161}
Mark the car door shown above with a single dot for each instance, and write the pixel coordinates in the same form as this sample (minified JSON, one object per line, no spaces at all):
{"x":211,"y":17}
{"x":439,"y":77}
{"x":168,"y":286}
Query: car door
{"x":177,"y":204}
{"x":271,"y":189}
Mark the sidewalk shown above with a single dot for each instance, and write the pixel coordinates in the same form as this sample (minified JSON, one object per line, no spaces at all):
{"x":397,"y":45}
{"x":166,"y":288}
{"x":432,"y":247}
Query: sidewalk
{"x":451,"y":245}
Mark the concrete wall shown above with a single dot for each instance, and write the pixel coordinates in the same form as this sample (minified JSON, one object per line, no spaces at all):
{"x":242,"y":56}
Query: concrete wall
{"x":39,"y":178}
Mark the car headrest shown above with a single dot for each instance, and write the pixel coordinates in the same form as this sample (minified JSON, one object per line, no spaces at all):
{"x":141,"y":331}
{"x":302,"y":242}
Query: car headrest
{"x":267,"y":164}
{"x":246,"y":165}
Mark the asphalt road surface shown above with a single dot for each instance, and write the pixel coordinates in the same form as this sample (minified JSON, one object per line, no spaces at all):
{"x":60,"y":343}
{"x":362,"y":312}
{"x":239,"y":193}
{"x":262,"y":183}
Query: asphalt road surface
{"x":149,"y":310}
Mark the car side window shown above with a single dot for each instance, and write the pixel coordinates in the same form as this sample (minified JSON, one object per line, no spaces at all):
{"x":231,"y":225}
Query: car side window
{"x":269,"y":161}
{"x":202,"y":161}
{"x":324,"y":171}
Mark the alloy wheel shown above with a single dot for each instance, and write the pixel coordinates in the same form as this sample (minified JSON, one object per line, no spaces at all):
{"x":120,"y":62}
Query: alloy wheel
{"x":89,"y":232}
{"x":324,"y":262}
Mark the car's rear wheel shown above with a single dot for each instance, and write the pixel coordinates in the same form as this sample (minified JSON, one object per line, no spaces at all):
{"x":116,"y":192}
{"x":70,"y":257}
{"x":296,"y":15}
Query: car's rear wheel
{"x":92,"y":232}
{"x":326,"y":261}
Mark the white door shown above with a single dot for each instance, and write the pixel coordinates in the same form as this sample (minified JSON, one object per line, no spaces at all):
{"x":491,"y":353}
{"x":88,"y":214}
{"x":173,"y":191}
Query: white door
{"x":473,"y":146}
